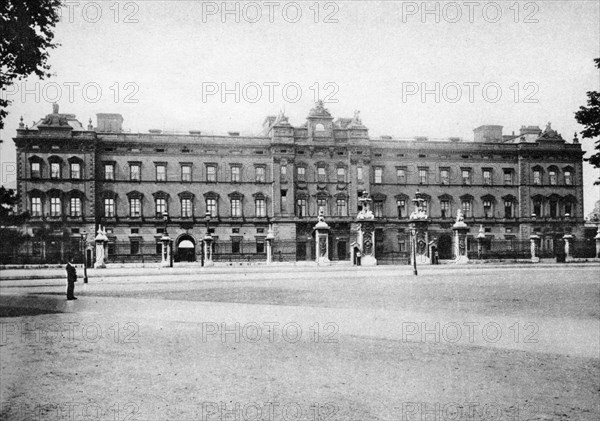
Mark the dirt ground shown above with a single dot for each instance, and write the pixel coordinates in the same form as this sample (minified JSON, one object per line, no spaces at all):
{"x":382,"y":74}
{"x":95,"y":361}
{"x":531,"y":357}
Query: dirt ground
{"x":306,"y":347}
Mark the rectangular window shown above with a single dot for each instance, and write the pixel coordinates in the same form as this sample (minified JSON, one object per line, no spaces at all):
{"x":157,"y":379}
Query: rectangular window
{"x":301,"y":208}
{"x":236,"y":208}
{"x":341,"y":207}
{"x":301,"y":174}
{"x":211,"y":207}
{"x":553,"y":209}
{"x":134,"y":247}
{"x":283,"y":172}
{"x":537,"y":177}
{"x":54,"y":170}
{"x":423,"y":176}
{"x":341,"y":175}
{"x":508,"y":206}
{"x":322,"y":205}
{"x":260,"y":246}
{"x":401,"y":205}
{"x":186,"y":208}
{"x":508,"y":177}
{"x":553,"y":178}
{"x":283,"y":200}
{"x":161,"y":172}
{"x":537,"y":208}
{"x":135,"y":172}
{"x":236,"y":174}
{"x":487,"y":208}
{"x":75,"y":206}
{"x":445,"y":207}
{"x":466,"y":208}
{"x":401,"y":175}
{"x":186,"y":173}
{"x":75,"y":170}
{"x":109,"y":208}
{"x":321,"y":175}
{"x":359,"y":174}
{"x":211,"y":173}
{"x":445,"y":176}
{"x":378,"y":209}
{"x":160,"y":207}
{"x":236,"y":245}
{"x":36,"y":170}
{"x":568,"y":209}
{"x":466,"y":177}
{"x":568,"y":178}
{"x":487,"y":177}
{"x":378,"y":175}
{"x":260,"y":209}
{"x":36,"y":206}
{"x":109,"y":171}
{"x":135,"y":208}
{"x":401,"y":246}
{"x":261,"y":174}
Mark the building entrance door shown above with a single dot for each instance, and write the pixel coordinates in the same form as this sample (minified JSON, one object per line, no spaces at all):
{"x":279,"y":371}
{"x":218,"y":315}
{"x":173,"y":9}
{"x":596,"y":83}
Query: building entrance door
{"x":445,"y":247}
{"x":341,"y":250}
{"x":186,"y":250}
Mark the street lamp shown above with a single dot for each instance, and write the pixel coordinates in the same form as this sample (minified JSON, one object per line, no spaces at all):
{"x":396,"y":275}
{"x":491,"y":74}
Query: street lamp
{"x":167,"y":252}
{"x":414,"y":250}
{"x":207,"y":253}
{"x":84,"y":240}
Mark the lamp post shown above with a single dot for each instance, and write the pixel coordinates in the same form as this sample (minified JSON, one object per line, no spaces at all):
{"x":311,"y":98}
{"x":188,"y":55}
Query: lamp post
{"x":84,"y":240}
{"x":418,"y":225}
{"x":414,"y":250}
{"x":207,"y":242}
{"x":167,"y":255}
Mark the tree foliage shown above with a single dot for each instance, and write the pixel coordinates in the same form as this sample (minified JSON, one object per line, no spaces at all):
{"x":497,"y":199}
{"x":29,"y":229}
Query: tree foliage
{"x":589,"y":117}
{"x":26,"y":38}
{"x":8,"y":202}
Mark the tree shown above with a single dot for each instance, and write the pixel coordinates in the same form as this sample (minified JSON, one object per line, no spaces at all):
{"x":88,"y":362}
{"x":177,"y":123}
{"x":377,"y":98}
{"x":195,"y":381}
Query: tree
{"x":10,"y":223}
{"x":589,"y":117}
{"x":26,"y":38}
{"x":8,"y":202}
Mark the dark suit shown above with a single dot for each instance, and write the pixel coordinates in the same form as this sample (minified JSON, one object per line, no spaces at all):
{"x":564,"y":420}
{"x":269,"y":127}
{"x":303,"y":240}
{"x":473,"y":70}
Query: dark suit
{"x":71,"y":279}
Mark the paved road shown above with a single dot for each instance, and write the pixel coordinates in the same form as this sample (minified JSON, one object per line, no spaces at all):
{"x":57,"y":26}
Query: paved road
{"x":370,"y":341}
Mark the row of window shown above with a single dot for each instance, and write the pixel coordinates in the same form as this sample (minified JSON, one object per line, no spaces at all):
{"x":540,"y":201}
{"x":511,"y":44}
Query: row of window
{"x":161,"y":207}
{"x":553,"y":208}
{"x":56,"y":168}
{"x":160,"y":172}
{"x":235,"y":174}
{"x":466,"y":176}
{"x":237,"y":246}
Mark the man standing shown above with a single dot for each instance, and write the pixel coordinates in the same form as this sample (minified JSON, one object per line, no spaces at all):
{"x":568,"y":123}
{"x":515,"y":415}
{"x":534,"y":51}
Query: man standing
{"x":71,"y":279}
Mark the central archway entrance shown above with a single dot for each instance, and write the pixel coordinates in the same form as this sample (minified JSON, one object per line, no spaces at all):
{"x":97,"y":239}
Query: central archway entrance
{"x":186,"y":249}
{"x":445,"y":247}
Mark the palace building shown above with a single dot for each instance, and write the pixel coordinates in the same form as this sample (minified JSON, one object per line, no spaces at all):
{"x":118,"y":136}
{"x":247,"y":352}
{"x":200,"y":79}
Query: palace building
{"x":72,"y":178}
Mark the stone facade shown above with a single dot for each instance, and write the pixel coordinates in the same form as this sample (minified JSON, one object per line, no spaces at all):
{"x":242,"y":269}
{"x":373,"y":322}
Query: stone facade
{"x":75,"y":177}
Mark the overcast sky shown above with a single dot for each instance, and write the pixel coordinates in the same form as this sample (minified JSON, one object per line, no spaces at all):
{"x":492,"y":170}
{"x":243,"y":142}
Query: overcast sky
{"x":164,"y":64}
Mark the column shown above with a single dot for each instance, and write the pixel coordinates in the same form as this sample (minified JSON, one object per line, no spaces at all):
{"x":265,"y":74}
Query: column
{"x":568,"y":239}
{"x":208,"y":250}
{"x":534,"y":239}
{"x":101,"y":240}
{"x":322,"y":240}
{"x":269,"y":240}
{"x":460,"y":229}
{"x":166,"y":250}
